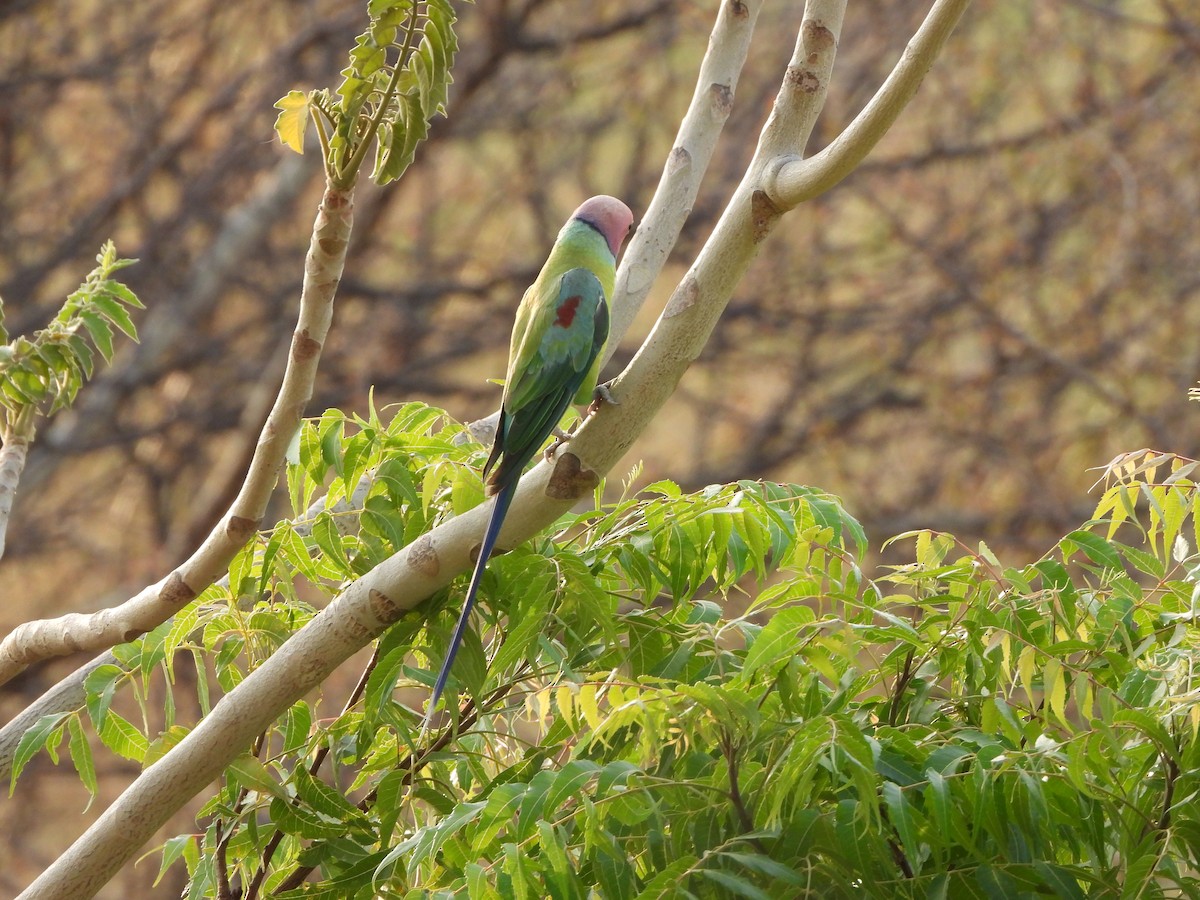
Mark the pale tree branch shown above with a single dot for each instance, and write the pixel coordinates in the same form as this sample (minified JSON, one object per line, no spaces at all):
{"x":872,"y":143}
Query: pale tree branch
{"x":16,"y":439}
{"x":794,"y":180}
{"x":690,"y":155}
{"x":368,"y":605}
{"x":69,"y":693}
{"x":154,"y":604}
{"x":697,"y":302}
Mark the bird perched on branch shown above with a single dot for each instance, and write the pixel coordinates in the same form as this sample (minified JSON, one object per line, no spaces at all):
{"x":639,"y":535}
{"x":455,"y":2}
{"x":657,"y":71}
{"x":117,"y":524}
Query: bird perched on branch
{"x":554,"y":358}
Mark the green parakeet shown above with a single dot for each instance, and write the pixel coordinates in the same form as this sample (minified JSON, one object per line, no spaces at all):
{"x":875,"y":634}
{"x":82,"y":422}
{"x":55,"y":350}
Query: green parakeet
{"x":554,"y":358}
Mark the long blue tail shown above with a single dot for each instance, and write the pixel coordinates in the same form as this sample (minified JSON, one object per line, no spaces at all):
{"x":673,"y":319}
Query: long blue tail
{"x":499,"y":511}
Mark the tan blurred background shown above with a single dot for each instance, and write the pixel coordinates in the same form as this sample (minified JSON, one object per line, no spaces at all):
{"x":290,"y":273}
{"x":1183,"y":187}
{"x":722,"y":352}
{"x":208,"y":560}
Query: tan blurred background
{"x":1004,"y":296}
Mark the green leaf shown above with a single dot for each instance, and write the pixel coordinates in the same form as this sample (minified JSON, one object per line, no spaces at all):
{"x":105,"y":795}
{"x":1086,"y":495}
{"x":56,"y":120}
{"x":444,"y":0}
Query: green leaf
{"x":778,"y":640}
{"x":100,"y":331}
{"x":325,"y":800}
{"x":502,"y":805}
{"x":326,"y":535}
{"x":613,"y":870}
{"x":1097,"y":548}
{"x":122,"y":292}
{"x":903,"y":819}
{"x":116,"y":314}
{"x":121,"y":737}
{"x":297,"y":727}
{"x":533,"y":803}
{"x":664,"y":885}
{"x":83,"y":353}
{"x":518,"y":868}
{"x":249,"y":772}
{"x":765,"y":865}
{"x":552,"y":841}
{"x":38,"y":736}
{"x":304,"y":821}
{"x":733,"y":885}
{"x":479,"y":883}
{"x":427,"y":841}
{"x":81,"y":757}
{"x":172,"y":850}
{"x":101,"y":686}
{"x":1151,"y":728}
{"x":568,"y":782}
{"x":527,"y":620}
{"x":296,"y":554}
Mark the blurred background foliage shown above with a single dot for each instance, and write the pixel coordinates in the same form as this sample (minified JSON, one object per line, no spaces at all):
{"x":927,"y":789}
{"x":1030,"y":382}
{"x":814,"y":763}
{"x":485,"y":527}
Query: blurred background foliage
{"x":1002,"y":297}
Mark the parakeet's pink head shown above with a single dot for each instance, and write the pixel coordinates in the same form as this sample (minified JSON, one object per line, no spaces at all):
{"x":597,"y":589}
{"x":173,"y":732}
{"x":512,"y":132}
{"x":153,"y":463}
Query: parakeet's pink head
{"x":609,"y":216}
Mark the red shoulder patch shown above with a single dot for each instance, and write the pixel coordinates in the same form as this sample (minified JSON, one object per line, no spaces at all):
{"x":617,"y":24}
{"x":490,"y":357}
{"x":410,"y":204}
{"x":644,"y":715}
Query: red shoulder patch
{"x":567,"y":310}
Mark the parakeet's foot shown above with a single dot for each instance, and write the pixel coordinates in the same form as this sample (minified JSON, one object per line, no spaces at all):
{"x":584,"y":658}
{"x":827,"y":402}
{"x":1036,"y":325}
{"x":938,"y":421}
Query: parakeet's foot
{"x":560,"y":438}
{"x":600,"y":396}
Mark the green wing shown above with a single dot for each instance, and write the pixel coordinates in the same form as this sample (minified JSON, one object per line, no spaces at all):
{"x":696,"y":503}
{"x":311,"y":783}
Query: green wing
{"x":557,"y":341}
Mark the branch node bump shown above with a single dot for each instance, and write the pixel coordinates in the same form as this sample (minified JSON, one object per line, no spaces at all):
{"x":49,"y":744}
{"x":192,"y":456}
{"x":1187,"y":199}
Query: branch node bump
{"x":382,"y":606}
{"x":570,"y":481}
{"x":304,"y":347}
{"x":679,"y":160}
{"x":684,"y":297}
{"x":424,"y":558}
{"x":722,"y":100}
{"x":804,"y":79}
{"x":816,"y":38}
{"x":176,"y":591}
{"x":241,"y":528}
{"x":764,"y":214}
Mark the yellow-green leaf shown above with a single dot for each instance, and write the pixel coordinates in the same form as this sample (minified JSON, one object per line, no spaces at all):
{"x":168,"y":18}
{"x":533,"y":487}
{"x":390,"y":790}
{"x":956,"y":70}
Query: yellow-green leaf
{"x":292,"y":120}
{"x":1055,"y":687}
{"x":1025,"y":667}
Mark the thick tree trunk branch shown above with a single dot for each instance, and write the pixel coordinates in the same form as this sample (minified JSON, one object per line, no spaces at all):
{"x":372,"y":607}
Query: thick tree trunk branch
{"x":35,"y":641}
{"x":367,"y":606}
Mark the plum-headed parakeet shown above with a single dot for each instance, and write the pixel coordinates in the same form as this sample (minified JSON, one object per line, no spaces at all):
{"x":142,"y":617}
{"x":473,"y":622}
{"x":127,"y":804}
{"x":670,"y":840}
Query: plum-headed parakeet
{"x":554,"y":358}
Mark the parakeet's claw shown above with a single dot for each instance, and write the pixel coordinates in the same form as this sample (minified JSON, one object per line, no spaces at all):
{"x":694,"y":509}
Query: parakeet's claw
{"x":560,"y":438}
{"x":600,"y":396}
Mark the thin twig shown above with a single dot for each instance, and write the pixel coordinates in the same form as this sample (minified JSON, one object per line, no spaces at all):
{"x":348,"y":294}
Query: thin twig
{"x":468,"y":715}
{"x":745,"y":817}
{"x":318,"y":758}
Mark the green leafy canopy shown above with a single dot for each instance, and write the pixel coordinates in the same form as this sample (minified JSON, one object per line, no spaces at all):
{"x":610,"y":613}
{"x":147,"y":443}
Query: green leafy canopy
{"x":702,"y":694}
